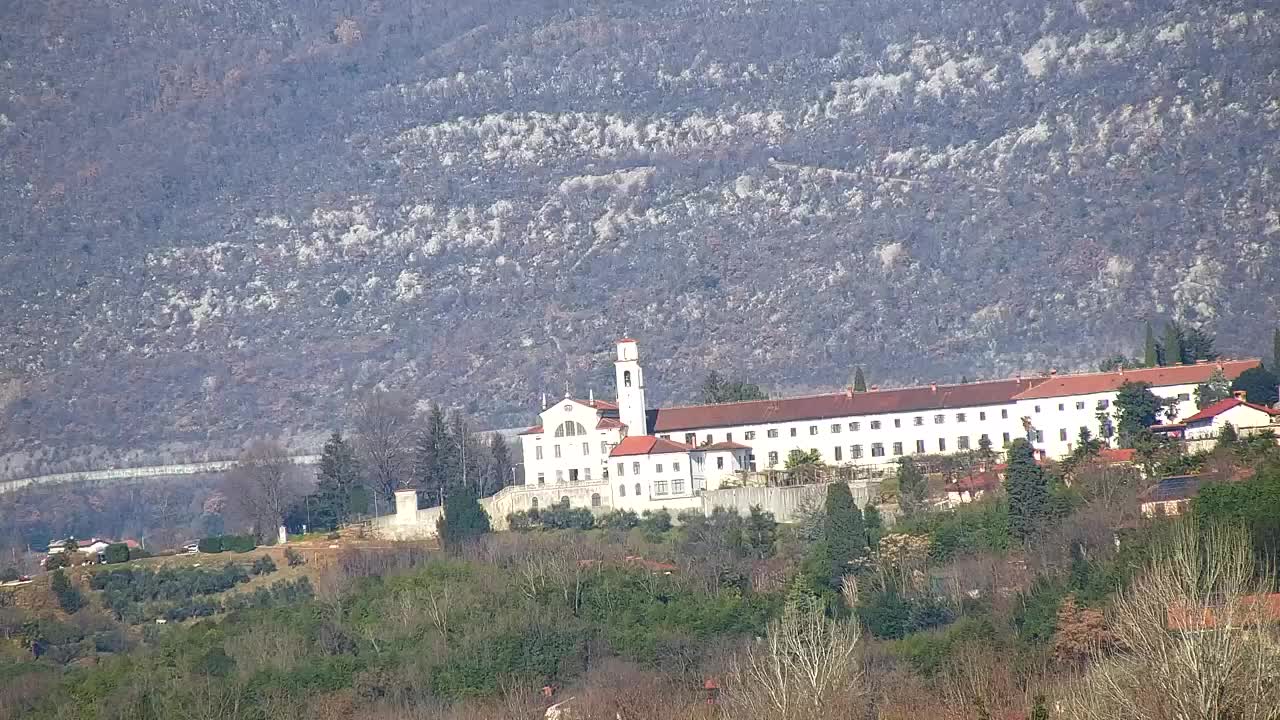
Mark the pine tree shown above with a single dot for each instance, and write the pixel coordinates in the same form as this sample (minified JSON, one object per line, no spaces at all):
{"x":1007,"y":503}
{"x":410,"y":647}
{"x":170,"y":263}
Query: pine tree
{"x":913,"y":487}
{"x":1197,"y":345}
{"x":462,"y":521}
{"x":843,"y":530}
{"x":435,"y":457}
{"x":68,"y":596}
{"x":1151,"y":353}
{"x":760,"y":532}
{"x":860,"y":381}
{"x":874,"y":523}
{"x":499,"y":475}
{"x":1172,"y":344}
{"x":1227,"y":436}
{"x":1028,"y":489}
{"x":1137,"y":409}
{"x":1217,"y":388}
{"x":336,"y":479}
{"x":1258,"y":384}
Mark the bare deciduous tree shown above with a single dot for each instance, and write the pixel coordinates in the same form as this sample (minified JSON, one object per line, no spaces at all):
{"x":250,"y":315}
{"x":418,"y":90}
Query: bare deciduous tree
{"x":262,"y":485}
{"x":384,"y":440}
{"x":806,"y":666}
{"x":1194,"y":638}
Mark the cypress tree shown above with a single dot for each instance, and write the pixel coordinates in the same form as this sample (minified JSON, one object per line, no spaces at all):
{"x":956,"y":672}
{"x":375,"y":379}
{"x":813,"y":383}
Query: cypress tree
{"x":435,"y":457}
{"x":860,"y":380}
{"x":462,"y":521}
{"x":874,"y":523}
{"x":1275,"y":351}
{"x":913,"y":487}
{"x":499,"y":464}
{"x":336,"y":479}
{"x":1151,"y":353}
{"x":845,"y":534}
{"x":1029,"y":501}
{"x":1172,"y":344}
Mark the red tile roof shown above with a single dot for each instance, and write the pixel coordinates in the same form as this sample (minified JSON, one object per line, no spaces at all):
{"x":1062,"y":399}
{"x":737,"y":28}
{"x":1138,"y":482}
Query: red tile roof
{"x":1089,"y":383}
{"x":1114,"y":455}
{"x":833,"y":405}
{"x":608,"y":423}
{"x":597,"y":404}
{"x":647,"y":445}
{"x":535,"y":430}
{"x":1222,"y":406}
{"x":724,"y":445}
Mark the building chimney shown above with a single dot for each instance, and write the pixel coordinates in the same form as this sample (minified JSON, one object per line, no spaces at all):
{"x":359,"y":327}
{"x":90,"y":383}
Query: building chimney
{"x":875,"y":387}
{"x":933,"y":387}
{"x":848,"y":392}
{"x":1241,"y":395}
{"x":591,"y":395}
{"x":544,"y":401}
{"x":1053,"y":371}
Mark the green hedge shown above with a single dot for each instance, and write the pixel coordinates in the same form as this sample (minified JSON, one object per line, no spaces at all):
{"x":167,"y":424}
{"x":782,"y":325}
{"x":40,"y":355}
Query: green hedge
{"x":228,"y":543}
{"x":116,"y":553}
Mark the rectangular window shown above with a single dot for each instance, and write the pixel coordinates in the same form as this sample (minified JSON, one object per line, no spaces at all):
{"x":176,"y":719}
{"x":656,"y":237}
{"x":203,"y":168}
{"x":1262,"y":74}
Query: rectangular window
{"x":962,"y":442}
{"x":537,"y":452}
{"x":942,"y":444}
{"x":665,"y":437}
{"x":657,"y":468}
{"x":855,"y":452}
{"x":675,"y":467}
{"x":793,"y":431}
{"x":557,"y":451}
{"x":1062,"y":406}
{"x":1083,"y":429}
{"x":877,"y":450}
{"x":939,"y":419}
{"x":813,"y":429}
{"x":897,"y":422}
{"x":560,"y":477}
{"x":728,"y":437}
{"x":982,"y":415}
{"x":573,"y":475}
{"x":875,"y":424}
{"x":708,"y":438}
{"x":604,"y":447}
{"x":1080,"y":405}
{"x":621,"y":466}
{"x":919,"y":446}
{"x":586,"y":474}
{"x":1004,"y":414}
{"x":690,"y":438}
{"x":838,"y":450}
{"x":1036,"y":408}
{"x":635,"y":468}
{"x":1039,"y":436}
{"x":773,"y":459}
{"x":542,"y":479}
{"x":720,"y":462}
{"x":1183,"y":397}
{"x":1062,"y":434}
{"x":1006,"y":439}
{"x":1104,"y":404}
{"x":677,"y":486}
{"x":660,"y":487}
{"x":897,"y":448}
{"x":855,"y":426}
{"x":586,"y":448}
{"x":772,"y":432}
{"x":749,"y":435}
{"x":917,"y":420}
{"x":960,"y":417}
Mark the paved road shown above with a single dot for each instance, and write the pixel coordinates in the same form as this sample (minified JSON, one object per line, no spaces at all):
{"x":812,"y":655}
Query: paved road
{"x":122,"y":475}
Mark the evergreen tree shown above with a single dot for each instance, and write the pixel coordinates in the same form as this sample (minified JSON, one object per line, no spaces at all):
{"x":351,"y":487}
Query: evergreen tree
{"x":336,"y":481}
{"x":913,"y":487}
{"x":986,"y":456}
{"x":1151,"y":352}
{"x":1172,"y":344}
{"x":436,"y":461}
{"x":717,"y":389}
{"x":1137,"y":409}
{"x":860,"y":381}
{"x":462,"y":521}
{"x":844,"y":534}
{"x":874,"y":523}
{"x":1258,"y":384}
{"x":1028,"y":489}
{"x":1197,"y":345}
{"x":1215,"y":389}
{"x":1228,"y":437}
{"x":760,"y":532}
{"x":68,"y":596}
{"x":499,"y":474}
{"x":1275,"y":350}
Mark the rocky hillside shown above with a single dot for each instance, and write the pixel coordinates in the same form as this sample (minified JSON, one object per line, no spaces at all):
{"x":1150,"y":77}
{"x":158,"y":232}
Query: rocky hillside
{"x":222,"y":217}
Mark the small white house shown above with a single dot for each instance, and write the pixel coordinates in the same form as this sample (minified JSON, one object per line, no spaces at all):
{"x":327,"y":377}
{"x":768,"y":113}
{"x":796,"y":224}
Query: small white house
{"x":1246,"y":417}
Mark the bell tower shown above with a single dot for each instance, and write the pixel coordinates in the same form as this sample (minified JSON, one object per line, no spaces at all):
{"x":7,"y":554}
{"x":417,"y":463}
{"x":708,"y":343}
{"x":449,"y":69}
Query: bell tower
{"x":632,"y":410}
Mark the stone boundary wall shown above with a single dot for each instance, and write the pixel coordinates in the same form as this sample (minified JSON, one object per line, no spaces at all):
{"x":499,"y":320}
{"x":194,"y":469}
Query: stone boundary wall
{"x":137,"y":473}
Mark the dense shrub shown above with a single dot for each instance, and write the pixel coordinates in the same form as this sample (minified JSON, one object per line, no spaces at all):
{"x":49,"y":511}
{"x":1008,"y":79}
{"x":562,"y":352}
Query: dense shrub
{"x":57,"y":560}
{"x":263,"y":565}
{"x":556,"y":517}
{"x":124,"y":589}
{"x":888,"y":614}
{"x":210,"y":544}
{"x":9,"y":574}
{"x":239,"y":543}
{"x":293,"y":557}
{"x":67,"y":594}
{"x":116,"y":553}
{"x":618,"y":520}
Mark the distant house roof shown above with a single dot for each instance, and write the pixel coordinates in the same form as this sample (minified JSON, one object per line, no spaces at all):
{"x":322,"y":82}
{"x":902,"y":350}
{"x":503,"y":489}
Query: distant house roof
{"x":1178,"y":487}
{"x":535,"y":430}
{"x":724,"y":445}
{"x":1089,"y":383}
{"x":981,"y":481}
{"x":843,"y":404}
{"x":1117,"y":455}
{"x":647,"y":445}
{"x":607,"y":423}
{"x":1222,"y":406}
{"x":597,"y":404}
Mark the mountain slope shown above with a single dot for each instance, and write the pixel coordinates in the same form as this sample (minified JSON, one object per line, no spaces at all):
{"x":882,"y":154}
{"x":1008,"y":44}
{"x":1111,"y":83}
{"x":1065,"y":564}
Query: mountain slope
{"x":223,"y":218}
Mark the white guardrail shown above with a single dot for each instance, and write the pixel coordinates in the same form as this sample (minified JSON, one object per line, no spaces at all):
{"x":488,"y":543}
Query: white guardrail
{"x":135,"y":473}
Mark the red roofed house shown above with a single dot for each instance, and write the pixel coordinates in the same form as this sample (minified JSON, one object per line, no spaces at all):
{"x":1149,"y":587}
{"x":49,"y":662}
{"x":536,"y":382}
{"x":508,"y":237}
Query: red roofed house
{"x":1247,"y":418}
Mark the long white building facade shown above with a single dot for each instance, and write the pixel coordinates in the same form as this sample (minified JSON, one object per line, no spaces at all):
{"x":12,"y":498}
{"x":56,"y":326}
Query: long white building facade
{"x":625,"y":455}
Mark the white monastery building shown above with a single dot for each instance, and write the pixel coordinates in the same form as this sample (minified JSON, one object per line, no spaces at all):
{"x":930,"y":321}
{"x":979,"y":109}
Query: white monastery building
{"x":624,"y":455}
{"x":639,"y":458}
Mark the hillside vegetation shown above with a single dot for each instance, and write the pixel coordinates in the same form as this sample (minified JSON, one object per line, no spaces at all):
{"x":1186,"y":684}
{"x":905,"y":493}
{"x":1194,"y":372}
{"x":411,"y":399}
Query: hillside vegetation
{"x":218,"y":218}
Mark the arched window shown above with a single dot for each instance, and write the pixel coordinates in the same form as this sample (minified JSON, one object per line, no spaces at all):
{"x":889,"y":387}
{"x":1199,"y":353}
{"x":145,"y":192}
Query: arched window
{"x":637,"y":489}
{"x":595,"y":499}
{"x":622,"y":491}
{"x":533,"y":504}
{"x":626,"y":378}
{"x":569,"y":428}
{"x":564,"y":501}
